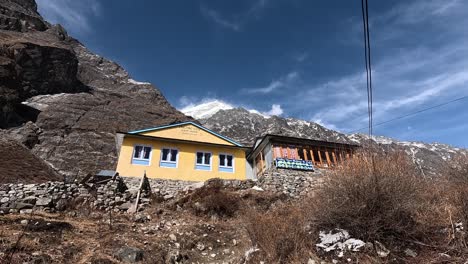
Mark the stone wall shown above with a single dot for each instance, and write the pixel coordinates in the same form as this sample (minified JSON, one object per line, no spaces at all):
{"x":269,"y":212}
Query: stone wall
{"x":120,"y":194}
{"x":291,"y":182}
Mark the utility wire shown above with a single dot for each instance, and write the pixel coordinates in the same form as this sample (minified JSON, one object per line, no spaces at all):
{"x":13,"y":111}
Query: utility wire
{"x":414,"y":113}
{"x":367,"y":57}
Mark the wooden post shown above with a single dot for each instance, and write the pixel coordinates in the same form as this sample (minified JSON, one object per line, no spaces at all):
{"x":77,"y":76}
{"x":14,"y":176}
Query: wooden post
{"x":134,"y":208}
{"x":312,"y":156}
{"x":334,"y":157}
{"x":328,"y":158}
{"x":304,"y":151}
{"x":261,"y":160}
{"x":320,"y":157}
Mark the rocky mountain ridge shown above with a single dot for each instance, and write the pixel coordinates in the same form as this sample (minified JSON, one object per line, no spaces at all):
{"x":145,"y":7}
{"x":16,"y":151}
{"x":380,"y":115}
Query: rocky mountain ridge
{"x":244,"y":127}
{"x":64,"y":102}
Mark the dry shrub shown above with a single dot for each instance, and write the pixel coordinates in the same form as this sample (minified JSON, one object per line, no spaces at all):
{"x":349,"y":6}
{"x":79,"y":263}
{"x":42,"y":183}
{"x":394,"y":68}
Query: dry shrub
{"x":457,"y":178}
{"x":212,"y":200}
{"x":281,"y":234}
{"x":379,"y":198}
{"x":456,"y":189}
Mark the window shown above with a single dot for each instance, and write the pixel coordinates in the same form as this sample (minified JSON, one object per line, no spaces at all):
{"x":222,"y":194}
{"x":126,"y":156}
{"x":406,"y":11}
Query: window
{"x":203,"y":161}
{"x":141,"y":155}
{"x":226,"y":163}
{"x":169,"y":157}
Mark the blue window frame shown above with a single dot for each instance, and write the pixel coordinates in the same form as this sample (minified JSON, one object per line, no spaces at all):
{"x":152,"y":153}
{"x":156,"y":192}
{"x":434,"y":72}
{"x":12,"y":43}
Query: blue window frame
{"x":169,"y":157}
{"x":141,"y":155}
{"x":203,"y":161}
{"x":226,"y":163}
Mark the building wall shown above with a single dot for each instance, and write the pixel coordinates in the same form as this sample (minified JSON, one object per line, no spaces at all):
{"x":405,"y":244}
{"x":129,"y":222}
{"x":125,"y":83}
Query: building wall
{"x":186,"y":161}
{"x":187,"y":132}
{"x":267,"y":153}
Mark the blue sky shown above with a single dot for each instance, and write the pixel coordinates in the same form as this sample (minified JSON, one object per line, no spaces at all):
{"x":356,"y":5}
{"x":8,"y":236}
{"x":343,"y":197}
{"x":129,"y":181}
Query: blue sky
{"x":296,"y":58}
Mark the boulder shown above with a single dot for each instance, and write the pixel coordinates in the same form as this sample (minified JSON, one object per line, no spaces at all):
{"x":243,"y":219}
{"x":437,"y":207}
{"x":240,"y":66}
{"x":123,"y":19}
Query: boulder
{"x":130,"y":255}
{"x":44,"y":202}
{"x":30,"y":200}
{"x":21,"y":206}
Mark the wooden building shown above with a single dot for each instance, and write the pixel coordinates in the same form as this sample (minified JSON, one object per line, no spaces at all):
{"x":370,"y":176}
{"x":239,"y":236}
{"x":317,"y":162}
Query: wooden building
{"x":296,"y":153}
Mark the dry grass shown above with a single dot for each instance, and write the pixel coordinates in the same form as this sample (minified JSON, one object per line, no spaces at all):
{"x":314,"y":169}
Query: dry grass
{"x":457,"y":178}
{"x":281,"y":235}
{"x":374,"y":198}
{"x":212,"y":200}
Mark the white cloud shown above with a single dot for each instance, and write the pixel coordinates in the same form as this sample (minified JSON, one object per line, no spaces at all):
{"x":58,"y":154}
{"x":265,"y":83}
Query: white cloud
{"x":73,"y":15}
{"x":301,"y":56}
{"x":283,"y":82}
{"x":218,"y":19}
{"x":406,"y":79}
{"x":237,"y":21}
{"x":275,"y":110}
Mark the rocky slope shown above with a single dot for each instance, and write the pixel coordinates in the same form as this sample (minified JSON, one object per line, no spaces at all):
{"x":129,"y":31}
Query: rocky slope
{"x":64,"y":102}
{"x":245,"y":126}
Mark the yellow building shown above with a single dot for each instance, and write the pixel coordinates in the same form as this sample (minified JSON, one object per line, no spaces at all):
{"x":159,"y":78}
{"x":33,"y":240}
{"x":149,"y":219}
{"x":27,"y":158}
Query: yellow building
{"x":183,"y":151}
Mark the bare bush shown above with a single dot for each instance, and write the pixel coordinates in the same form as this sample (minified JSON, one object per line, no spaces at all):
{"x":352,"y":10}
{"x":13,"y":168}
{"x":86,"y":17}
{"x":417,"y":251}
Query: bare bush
{"x":212,"y":200}
{"x":281,"y":234}
{"x":374,"y":198}
{"x":457,"y":177}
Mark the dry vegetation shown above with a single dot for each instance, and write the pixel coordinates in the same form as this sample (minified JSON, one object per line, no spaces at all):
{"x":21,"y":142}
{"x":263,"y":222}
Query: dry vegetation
{"x":383,"y":199}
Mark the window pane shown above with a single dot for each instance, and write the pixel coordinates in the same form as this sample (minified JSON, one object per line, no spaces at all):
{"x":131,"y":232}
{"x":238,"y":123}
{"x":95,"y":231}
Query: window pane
{"x":199,"y":157}
{"x":174,"y":154}
{"x":222,"y":160}
{"x":207,"y":158}
{"x":165,"y":153}
{"x":229,"y":160}
{"x":137,"y":153}
{"x":147,"y":151}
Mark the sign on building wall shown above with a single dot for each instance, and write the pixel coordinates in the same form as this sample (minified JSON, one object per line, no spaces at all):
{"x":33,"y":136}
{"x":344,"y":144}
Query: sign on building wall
{"x":294,"y":164}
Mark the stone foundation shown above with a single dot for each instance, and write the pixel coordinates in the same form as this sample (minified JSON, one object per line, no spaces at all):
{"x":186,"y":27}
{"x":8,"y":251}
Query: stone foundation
{"x":120,"y":194}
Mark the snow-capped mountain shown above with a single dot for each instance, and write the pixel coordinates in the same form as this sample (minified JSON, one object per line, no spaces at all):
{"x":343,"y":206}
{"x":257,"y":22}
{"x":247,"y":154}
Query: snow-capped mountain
{"x":244,"y":126}
{"x":208,"y":109}
{"x":431,"y":158}
{"x":205,"y":110}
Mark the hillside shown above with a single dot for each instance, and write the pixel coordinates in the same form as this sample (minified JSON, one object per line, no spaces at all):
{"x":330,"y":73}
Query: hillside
{"x":244,"y":126}
{"x":72,"y":100}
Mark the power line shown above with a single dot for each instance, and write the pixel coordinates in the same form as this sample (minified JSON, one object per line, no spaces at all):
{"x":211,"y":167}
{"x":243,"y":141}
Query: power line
{"x":414,"y":113}
{"x":367,"y":57}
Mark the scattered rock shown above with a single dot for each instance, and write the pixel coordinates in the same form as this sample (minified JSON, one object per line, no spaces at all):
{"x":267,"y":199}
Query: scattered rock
{"x":168,"y":197}
{"x":24,"y":222}
{"x":381,"y":250}
{"x":200,"y":246}
{"x":173,"y":237}
{"x":410,"y":253}
{"x":130,"y":255}
{"x":141,"y":218}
